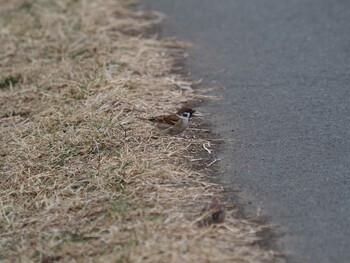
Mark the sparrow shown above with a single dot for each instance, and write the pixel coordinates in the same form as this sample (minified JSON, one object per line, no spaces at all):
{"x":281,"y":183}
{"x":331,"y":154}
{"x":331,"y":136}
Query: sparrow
{"x":213,"y":213}
{"x":173,"y":124}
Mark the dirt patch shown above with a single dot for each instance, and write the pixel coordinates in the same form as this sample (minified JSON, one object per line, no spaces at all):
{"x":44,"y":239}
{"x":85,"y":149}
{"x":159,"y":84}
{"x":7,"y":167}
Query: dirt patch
{"x":82,"y":178}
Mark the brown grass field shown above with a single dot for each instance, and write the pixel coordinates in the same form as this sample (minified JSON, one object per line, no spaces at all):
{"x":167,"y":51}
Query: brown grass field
{"x":82,"y":178}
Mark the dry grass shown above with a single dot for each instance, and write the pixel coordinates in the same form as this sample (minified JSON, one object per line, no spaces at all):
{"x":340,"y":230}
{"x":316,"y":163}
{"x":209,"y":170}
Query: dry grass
{"x":82,"y":179}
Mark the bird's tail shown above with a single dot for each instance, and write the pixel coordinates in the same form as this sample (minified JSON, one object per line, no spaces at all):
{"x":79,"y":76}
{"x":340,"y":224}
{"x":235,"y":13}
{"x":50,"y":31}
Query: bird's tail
{"x":145,"y":119}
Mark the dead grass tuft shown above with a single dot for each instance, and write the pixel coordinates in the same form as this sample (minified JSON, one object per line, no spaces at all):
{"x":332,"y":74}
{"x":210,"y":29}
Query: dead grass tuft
{"x":82,"y":179}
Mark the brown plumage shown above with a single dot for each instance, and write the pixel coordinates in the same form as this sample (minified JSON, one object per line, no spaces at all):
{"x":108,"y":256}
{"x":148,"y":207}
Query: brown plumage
{"x":213,"y":213}
{"x":173,"y":123}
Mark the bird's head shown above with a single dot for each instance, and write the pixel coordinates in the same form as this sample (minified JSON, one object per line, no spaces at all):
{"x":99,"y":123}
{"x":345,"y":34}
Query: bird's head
{"x":185,"y":112}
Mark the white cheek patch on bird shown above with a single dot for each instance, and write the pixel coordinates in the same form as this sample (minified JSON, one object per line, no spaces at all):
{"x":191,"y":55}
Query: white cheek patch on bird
{"x":172,"y":124}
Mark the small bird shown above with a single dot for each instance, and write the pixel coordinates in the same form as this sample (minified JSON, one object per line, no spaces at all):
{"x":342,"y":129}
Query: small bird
{"x":213,"y":213}
{"x":173,"y":124}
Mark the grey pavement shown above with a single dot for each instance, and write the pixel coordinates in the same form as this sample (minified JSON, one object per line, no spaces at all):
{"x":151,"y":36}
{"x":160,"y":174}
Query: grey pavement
{"x":285,"y":66}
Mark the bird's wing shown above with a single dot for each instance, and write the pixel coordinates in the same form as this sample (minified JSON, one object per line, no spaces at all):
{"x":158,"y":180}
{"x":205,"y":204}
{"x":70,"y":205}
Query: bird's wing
{"x":166,"y":119}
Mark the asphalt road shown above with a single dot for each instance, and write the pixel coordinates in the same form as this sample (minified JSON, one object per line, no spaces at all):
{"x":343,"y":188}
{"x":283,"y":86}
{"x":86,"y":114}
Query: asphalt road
{"x":286,"y":106}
